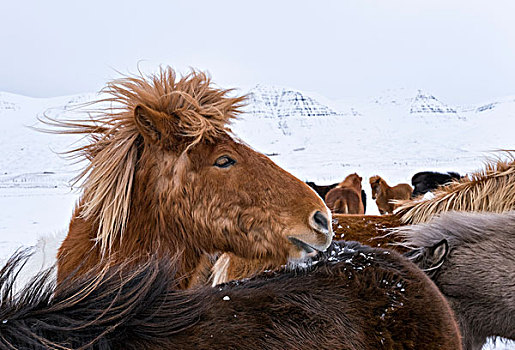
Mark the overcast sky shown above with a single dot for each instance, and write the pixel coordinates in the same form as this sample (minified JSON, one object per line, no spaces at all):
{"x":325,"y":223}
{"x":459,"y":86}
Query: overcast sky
{"x":461,"y":51}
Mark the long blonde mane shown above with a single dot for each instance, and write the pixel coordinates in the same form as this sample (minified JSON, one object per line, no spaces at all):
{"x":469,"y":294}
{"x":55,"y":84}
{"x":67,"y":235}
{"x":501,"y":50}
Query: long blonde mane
{"x":490,"y":190}
{"x":199,"y":110}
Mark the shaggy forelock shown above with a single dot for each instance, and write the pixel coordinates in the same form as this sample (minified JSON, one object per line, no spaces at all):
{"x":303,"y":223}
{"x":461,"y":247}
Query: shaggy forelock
{"x":199,"y":110}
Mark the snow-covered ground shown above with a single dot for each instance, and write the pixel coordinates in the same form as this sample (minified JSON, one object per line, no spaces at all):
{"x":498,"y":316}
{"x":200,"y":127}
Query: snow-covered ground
{"x":393,"y":135}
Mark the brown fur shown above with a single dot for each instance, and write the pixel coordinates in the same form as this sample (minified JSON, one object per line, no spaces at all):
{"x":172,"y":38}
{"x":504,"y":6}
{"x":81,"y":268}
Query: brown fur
{"x":385,"y":195}
{"x":350,"y":298}
{"x":491,"y":189}
{"x":153,"y":186}
{"x":346,"y":197}
{"x":372,"y":230}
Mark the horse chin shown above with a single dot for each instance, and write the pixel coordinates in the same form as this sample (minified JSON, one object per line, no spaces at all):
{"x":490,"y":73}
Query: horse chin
{"x":300,"y":256}
{"x":307,"y":246}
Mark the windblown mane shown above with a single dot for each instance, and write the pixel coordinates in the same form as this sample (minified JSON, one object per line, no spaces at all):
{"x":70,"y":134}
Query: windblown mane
{"x":202,"y":112}
{"x":492,"y":190}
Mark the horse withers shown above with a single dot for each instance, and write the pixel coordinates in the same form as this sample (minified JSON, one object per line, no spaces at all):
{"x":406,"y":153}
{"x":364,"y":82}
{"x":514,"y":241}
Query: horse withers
{"x":165,"y":176}
{"x":470,"y":258}
{"x":351,"y":297}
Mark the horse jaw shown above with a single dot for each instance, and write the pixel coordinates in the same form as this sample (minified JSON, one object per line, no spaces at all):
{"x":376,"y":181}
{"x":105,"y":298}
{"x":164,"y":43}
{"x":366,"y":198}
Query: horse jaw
{"x":307,"y":241}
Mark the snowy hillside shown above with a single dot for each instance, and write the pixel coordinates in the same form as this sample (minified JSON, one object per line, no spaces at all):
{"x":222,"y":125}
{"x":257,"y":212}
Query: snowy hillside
{"x":393,"y":135}
{"x":29,"y":158}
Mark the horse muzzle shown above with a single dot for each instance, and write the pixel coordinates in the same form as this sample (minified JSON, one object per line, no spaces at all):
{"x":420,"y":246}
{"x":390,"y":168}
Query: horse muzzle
{"x":318,"y":237}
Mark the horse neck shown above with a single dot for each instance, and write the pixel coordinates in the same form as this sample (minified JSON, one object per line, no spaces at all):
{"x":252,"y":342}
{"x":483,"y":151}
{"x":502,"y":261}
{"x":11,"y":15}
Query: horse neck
{"x":151,"y":230}
{"x":385,"y":190}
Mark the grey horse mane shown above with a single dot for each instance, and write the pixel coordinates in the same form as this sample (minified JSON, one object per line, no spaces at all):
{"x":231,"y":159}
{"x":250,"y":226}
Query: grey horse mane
{"x":456,"y":228}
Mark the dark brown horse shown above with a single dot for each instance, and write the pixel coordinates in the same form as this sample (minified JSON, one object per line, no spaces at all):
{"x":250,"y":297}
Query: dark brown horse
{"x":385,"y":196}
{"x":350,"y":298}
{"x":346,"y":197}
{"x":165,"y":177}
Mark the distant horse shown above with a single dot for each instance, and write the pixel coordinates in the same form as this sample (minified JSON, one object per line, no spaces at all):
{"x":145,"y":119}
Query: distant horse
{"x":491,"y":190}
{"x":322,"y":191}
{"x":371,"y":230}
{"x":470,"y":258}
{"x":351,"y":298}
{"x":345,"y":198}
{"x":426,"y":181}
{"x":384,"y":194}
{"x":165,"y":176}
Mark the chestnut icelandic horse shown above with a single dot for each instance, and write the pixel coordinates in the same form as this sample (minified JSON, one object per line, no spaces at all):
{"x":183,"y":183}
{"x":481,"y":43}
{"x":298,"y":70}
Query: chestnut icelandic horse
{"x":384,"y":194}
{"x":350,"y":298}
{"x":165,"y":177}
{"x":323,"y":189}
{"x":345,"y":198}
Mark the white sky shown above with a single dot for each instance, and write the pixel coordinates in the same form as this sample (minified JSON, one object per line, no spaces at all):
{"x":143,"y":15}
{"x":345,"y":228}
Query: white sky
{"x":461,"y":51}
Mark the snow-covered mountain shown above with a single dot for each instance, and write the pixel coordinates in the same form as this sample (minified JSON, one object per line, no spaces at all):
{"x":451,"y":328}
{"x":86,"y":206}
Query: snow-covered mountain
{"x":273,"y":102}
{"x":427,"y":103}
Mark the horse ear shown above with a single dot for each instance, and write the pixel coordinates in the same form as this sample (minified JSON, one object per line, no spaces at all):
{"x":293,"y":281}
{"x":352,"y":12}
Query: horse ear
{"x":148,"y":121}
{"x":439,"y":253}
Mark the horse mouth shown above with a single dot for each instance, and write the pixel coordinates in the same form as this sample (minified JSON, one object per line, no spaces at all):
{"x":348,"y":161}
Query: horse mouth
{"x":303,"y":245}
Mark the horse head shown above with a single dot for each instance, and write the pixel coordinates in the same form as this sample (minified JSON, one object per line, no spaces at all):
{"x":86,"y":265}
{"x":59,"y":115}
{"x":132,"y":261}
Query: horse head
{"x":165,"y":176}
{"x":354,"y":181}
{"x":233,"y":198}
{"x":375,"y":184}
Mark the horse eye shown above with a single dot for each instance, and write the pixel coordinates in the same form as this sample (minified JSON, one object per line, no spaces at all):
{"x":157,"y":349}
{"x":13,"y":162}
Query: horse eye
{"x":224,"y":162}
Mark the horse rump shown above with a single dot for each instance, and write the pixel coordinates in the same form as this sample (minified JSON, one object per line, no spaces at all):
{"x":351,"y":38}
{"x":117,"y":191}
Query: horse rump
{"x":344,"y":201}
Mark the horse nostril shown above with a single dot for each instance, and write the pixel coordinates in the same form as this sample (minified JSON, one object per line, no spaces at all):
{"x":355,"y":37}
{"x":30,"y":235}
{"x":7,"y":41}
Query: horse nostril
{"x":320,"y":219}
